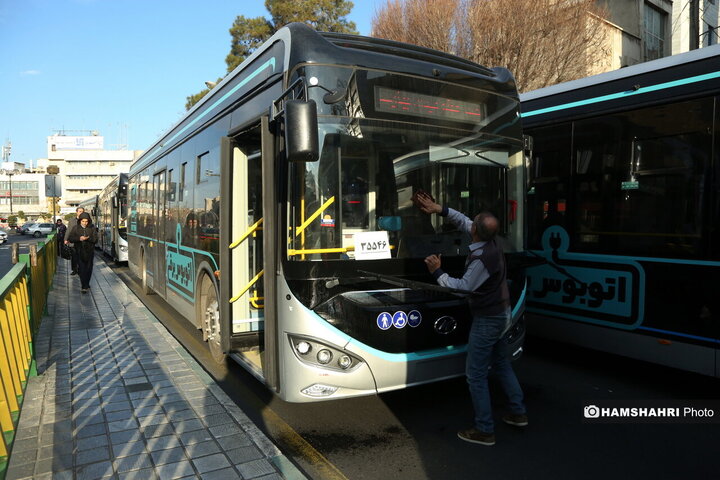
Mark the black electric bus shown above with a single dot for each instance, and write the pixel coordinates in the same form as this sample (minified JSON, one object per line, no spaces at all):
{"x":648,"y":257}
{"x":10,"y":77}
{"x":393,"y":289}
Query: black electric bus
{"x":277,"y":215}
{"x":111,"y":219}
{"x":624,"y":205}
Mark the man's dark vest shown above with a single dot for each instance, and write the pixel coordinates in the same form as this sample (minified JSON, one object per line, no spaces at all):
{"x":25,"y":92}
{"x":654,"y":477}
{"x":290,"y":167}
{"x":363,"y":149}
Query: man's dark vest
{"x":494,"y":296}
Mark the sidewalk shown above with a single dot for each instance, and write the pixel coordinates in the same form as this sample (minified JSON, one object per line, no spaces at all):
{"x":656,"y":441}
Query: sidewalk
{"x":118,"y":397}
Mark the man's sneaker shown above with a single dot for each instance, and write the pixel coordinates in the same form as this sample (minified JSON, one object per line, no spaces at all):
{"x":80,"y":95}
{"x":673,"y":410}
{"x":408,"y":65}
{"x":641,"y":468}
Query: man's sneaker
{"x":73,"y":272}
{"x":517,"y":419}
{"x":473,"y":435}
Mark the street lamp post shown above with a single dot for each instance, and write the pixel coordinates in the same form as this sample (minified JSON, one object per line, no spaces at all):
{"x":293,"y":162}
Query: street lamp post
{"x":10,"y":173}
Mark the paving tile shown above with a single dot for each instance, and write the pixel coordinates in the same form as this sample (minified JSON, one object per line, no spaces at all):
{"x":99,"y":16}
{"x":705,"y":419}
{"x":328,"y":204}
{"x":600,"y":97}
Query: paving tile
{"x":209,"y":463}
{"x":121,"y":425}
{"x":218,"y":419}
{"x":20,"y":471}
{"x":158,"y":430}
{"x":184,"y":426}
{"x":162,"y":443}
{"x":172,"y":471}
{"x":171,"y":455}
{"x":234,"y":441}
{"x":89,"y":443}
{"x":92,"y":456}
{"x":90,"y":430}
{"x":128,"y":449}
{"x":133,"y":462}
{"x":125,"y":437}
{"x":224,"y":474}
{"x":144,"y":474}
{"x":256,"y":468}
{"x":94,"y":471}
{"x":244,"y":454}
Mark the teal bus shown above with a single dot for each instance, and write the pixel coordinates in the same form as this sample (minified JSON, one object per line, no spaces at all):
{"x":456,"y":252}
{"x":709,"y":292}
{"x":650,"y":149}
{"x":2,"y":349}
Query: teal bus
{"x":276,"y":216}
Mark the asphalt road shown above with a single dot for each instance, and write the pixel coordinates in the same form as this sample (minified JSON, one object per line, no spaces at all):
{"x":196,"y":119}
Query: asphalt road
{"x":411,"y":434}
{"x":5,"y":248}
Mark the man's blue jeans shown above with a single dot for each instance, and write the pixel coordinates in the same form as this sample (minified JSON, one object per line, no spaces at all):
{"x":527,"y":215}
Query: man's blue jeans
{"x":487,"y":349}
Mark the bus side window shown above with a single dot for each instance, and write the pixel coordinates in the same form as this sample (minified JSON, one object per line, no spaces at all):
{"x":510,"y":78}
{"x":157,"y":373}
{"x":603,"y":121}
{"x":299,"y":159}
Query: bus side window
{"x":549,"y":181}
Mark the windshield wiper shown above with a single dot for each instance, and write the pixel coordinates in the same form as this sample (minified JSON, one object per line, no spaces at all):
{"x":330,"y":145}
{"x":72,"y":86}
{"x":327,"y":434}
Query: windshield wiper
{"x":414,"y":285}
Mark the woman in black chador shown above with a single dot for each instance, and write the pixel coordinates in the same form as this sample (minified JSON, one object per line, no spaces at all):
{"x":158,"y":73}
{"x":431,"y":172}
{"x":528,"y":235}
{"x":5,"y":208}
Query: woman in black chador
{"x":84,"y":237}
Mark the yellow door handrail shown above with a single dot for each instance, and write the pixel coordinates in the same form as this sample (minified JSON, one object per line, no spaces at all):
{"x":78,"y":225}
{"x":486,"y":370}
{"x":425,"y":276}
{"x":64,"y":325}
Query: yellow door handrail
{"x":309,"y":251}
{"x":245,"y":235}
{"x":312,"y":217}
{"x":247,"y":287}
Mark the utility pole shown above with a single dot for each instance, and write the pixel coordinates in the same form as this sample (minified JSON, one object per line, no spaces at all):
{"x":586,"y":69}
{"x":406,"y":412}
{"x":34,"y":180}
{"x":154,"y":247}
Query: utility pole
{"x":694,"y":24}
{"x":6,"y":149}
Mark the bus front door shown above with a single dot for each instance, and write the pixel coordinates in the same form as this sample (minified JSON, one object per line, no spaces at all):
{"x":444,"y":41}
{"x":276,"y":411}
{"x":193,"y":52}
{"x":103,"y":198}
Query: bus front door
{"x":159,"y":211}
{"x":244,"y":292}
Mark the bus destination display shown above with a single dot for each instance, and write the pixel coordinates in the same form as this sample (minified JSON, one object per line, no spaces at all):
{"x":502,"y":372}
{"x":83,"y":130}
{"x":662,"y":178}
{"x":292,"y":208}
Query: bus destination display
{"x":416,"y":104}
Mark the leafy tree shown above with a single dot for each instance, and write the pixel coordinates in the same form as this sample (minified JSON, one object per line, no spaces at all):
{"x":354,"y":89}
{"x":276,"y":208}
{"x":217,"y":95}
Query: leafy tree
{"x":21,"y":215}
{"x":542,"y":42}
{"x":249,"y":33}
{"x":12,"y":220}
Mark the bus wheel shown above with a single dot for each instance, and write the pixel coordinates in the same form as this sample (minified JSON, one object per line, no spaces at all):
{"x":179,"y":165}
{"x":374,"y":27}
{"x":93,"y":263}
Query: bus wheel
{"x":210,"y":310}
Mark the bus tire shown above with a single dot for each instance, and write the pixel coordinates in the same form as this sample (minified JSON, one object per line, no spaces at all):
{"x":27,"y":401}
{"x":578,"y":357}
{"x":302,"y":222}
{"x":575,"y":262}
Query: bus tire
{"x":210,"y":317}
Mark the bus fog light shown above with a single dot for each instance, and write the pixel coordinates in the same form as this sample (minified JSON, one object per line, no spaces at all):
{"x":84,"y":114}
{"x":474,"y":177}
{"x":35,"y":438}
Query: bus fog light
{"x":319,"y":390}
{"x":324,"y":356}
{"x":123,"y":248}
{"x":345,"y":362}
{"x":303,"y":347}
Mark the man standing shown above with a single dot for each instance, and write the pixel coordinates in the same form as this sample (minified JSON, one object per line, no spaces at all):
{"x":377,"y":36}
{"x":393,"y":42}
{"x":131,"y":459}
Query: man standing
{"x":485,"y":274}
{"x":72,"y":223}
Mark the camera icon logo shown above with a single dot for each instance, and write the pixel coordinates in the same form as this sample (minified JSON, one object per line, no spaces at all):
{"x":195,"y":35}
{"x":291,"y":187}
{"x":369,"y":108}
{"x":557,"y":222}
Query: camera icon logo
{"x":591,"y":411}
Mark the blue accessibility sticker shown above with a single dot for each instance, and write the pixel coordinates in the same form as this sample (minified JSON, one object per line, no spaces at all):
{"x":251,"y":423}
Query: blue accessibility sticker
{"x":400,"y":319}
{"x":384,"y":321}
{"x":414,"y":318}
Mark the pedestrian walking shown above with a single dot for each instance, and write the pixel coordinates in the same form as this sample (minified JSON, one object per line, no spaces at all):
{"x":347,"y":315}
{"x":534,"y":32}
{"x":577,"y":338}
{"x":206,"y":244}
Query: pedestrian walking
{"x":485,"y":275}
{"x":60,"y":230}
{"x":84,"y":237}
{"x":72,"y":224}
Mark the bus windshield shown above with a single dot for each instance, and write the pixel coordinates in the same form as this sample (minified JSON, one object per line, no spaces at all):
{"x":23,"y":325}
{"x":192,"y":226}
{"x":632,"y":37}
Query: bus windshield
{"x":356,"y":202}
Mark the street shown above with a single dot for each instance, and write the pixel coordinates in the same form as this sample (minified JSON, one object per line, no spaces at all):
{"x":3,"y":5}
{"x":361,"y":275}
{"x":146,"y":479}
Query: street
{"x":411,"y":434}
{"x":24,"y":242}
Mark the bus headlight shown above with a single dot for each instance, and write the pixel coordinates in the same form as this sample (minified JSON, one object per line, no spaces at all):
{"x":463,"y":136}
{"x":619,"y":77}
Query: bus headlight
{"x":123,"y":248}
{"x":302,"y":346}
{"x":324,"y":356}
{"x":345,"y":362}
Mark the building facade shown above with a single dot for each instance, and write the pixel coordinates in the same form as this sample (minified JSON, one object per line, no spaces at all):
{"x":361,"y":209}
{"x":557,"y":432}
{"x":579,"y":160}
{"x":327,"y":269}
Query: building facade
{"x":643,"y":30}
{"x":85,"y":166}
{"x":22,"y":191}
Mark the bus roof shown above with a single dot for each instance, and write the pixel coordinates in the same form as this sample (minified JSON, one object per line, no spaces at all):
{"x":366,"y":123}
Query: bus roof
{"x":349,"y":49}
{"x":622,"y":73}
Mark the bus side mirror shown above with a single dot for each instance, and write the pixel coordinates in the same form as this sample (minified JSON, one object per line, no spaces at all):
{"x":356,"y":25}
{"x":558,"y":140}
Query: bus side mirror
{"x":301,"y":131}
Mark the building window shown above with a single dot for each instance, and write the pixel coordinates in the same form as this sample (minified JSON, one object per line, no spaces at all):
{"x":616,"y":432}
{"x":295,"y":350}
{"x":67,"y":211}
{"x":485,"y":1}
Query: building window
{"x":200,"y":163}
{"x":711,"y":36}
{"x":654,"y":33}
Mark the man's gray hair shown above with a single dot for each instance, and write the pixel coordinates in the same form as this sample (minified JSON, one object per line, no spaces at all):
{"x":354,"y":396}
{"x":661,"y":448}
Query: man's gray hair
{"x":486,"y":226}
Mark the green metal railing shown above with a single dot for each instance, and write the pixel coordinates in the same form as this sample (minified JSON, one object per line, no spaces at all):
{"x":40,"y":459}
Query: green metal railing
{"x":23,"y":298}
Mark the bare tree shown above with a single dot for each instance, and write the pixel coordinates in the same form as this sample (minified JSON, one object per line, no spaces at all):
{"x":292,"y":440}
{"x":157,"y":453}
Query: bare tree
{"x":542,"y":42}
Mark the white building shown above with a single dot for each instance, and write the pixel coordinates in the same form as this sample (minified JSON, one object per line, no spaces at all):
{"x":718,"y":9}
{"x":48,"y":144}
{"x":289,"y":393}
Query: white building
{"x":21,"y":191}
{"x":85,"y":166}
{"x":643,"y":30}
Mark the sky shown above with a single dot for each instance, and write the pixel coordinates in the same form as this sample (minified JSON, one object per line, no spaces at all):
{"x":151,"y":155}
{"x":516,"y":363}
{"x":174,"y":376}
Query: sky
{"x":121,"y":67}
